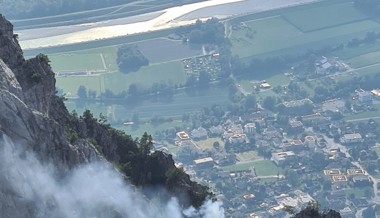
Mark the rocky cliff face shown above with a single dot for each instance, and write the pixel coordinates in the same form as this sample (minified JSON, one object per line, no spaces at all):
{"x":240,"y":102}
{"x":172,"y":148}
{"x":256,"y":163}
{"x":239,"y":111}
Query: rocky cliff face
{"x":33,"y":116}
{"x":31,"y":113}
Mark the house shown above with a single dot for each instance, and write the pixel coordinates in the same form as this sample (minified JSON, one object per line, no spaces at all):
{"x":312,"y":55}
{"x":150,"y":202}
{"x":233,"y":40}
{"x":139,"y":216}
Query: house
{"x":296,"y":103}
{"x":207,"y":162}
{"x":250,"y":129}
{"x":376,"y":93}
{"x":332,"y":172}
{"x":324,"y":66}
{"x":310,"y":141}
{"x":304,"y":198}
{"x":238,"y":138}
{"x":199,"y":134}
{"x":355,"y":172}
{"x":314,"y":119}
{"x":359,"y":203}
{"x":361,"y":180}
{"x":265,"y":85}
{"x":216,"y":130}
{"x":351,"y":138}
{"x":286,"y":200}
{"x":293,"y":145}
{"x":334,"y":105}
{"x":347,"y":212}
{"x":365,"y":97}
{"x":295,"y":126}
{"x":182,"y":136}
{"x":280,"y":157}
{"x":342,"y":179}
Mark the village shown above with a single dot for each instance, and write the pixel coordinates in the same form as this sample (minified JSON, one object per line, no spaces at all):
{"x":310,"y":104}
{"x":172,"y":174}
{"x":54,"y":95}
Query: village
{"x":262,"y":163}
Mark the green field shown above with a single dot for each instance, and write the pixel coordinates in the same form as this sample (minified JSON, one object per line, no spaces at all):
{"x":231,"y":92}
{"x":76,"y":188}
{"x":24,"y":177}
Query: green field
{"x":359,"y":192}
{"x":248,"y":156}
{"x":324,"y":16}
{"x":364,"y":116}
{"x":263,"y":167}
{"x":275,"y":35}
{"x":88,"y":59}
{"x":170,"y":72}
{"x":376,"y":149}
{"x":365,"y":59}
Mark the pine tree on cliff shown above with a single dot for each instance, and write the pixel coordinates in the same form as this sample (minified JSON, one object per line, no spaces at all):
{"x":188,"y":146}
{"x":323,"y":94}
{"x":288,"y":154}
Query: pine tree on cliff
{"x":313,"y":211}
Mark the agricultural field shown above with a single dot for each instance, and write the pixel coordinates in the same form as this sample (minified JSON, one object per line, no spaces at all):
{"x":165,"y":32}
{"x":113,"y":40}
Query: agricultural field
{"x":322,"y":17}
{"x":162,"y":50}
{"x":260,"y":36}
{"x":169,"y":72}
{"x":364,"y":60}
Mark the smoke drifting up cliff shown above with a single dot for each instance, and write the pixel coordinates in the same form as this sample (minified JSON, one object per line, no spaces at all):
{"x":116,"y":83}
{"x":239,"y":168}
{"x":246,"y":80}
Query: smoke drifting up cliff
{"x":90,"y":190}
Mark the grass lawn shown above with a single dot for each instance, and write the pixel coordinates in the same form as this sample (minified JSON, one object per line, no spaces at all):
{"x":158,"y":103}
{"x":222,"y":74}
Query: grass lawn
{"x":359,"y":192}
{"x":263,"y":167}
{"x":247,"y":85}
{"x":376,"y":149}
{"x":364,"y":115}
{"x":207,"y":144}
{"x":278,"y":80}
{"x":248,"y":156}
{"x":262,"y":95}
{"x":324,"y":16}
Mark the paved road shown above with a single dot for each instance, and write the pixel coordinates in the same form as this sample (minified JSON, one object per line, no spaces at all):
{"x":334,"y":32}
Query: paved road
{"x":361,"y":119}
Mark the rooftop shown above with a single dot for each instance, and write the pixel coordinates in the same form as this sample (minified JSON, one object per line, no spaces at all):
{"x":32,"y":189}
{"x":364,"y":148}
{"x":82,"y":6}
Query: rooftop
{"x":183,"y":135}
{"x":332,"y":172}
{"x":355,"y":172}
{"x":203,"y":160}
{"x":352,"y":136}
{"x":339,"y":178}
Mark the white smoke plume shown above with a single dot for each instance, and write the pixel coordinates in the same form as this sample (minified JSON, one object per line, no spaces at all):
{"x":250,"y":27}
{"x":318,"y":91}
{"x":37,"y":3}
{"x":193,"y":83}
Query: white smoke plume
{"x":91,"y":191}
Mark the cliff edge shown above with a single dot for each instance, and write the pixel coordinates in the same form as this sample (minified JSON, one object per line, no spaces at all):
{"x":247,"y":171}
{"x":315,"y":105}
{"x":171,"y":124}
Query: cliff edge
{"x":33,"y":116}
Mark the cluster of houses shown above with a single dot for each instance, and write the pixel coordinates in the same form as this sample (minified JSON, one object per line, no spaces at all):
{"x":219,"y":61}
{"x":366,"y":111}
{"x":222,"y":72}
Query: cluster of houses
{"x":207,"y":63}
{"x":304,"y":134}
{"x":325,"y":66}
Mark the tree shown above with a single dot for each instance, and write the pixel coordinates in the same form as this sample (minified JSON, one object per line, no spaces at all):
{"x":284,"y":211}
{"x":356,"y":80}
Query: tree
{"x":318,"y":160}
{"x":250,"y":102}
{"x":369,"y":212}
{"x":204,"y":79}
{"x":130,"y":58}
{"x":216,"y":145}
{"x":133,"y":91}
{"x":313,"y":211}
{"x":269,"y":102}
{"x":146,"y":144}
{"x":82,"y":92}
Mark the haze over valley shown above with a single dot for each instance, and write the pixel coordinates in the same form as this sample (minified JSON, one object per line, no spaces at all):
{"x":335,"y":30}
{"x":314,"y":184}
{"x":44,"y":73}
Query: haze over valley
{"x":190,"y":108}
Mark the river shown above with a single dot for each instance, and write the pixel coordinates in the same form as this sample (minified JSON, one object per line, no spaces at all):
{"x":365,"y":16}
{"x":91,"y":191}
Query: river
{"x":168,"y":18}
